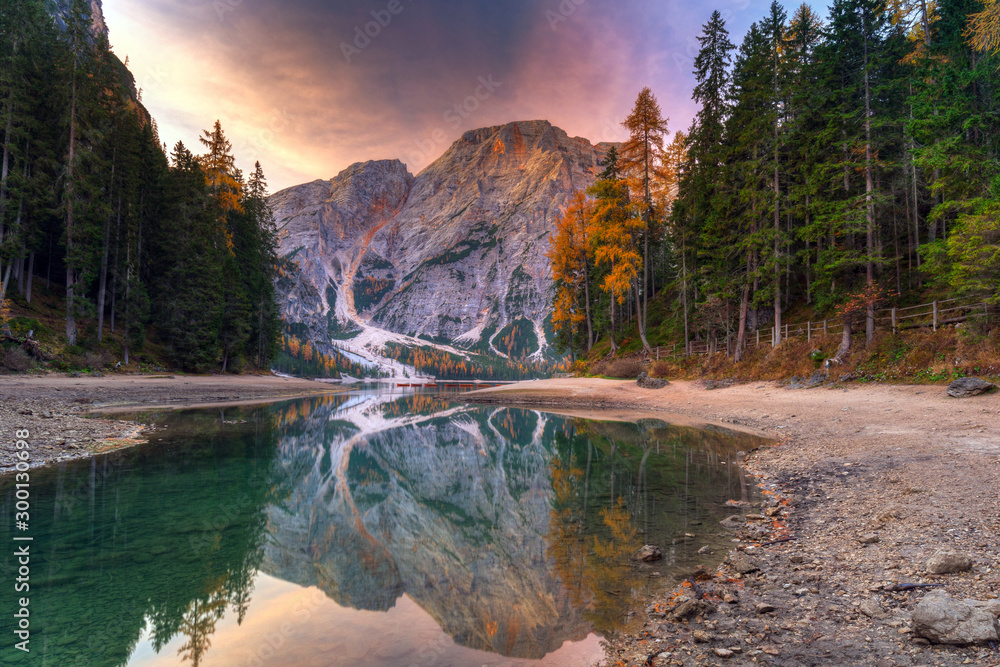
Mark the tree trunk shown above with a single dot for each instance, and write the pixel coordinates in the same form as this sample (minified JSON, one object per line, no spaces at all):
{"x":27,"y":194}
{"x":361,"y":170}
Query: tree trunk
{"x":22,"y":263}
{"x":70,"y":317}
{"x":899,"y":265}
{"x":684,"y":290}
{"x":3,"y":296}
{"x":869,"y":207}
{"x":741,"y":335}
{"x":614,"y":345}
{"x":808,"y":260}
{"x":128,"y":284}
{"x":924,"y":23}
{"x":586,"y":304}
{"x":913,"y":176}
{"x":641,"y":317}
{"x":31,"y":273}
{"x":645,"y":274}
{"x":48,"y":264}
{"x":5,"y":165}
{"x":845,"y":341}
{"x":102,"y":287}
{"x":115,"y":262}
{"x":260,"y":334}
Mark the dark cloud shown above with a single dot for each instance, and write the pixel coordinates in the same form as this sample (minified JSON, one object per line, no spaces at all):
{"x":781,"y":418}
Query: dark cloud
{"x":309,"y":87}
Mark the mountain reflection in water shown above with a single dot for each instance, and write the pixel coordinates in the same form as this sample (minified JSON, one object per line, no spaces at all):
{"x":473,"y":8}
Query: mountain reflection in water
{"x":510,"y":530}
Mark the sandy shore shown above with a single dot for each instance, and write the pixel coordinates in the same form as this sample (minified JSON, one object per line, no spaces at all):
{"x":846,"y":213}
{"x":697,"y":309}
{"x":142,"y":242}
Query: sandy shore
{"x":871,"y":481}
{"x":50,"y":407}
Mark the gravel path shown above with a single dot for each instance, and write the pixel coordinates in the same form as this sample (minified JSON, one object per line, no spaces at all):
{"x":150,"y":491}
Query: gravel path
{"x":50,"y":408}
{"x":870,"y":480}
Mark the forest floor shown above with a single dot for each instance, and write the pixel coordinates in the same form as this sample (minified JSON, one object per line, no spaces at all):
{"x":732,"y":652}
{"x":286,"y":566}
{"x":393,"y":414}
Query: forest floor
{"x":52,"y":407}
{"x":870,"y":481}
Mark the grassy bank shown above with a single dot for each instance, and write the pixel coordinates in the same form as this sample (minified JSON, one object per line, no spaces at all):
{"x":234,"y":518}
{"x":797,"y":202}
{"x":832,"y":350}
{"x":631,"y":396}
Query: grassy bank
{"x":913,"y":356}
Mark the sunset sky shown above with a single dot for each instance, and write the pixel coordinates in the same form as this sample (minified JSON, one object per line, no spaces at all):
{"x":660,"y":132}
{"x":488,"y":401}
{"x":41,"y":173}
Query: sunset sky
{"x":299,"y":86}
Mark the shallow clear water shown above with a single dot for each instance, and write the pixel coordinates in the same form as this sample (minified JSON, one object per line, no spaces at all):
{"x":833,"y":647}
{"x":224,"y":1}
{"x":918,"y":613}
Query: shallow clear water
{"x":369,"y":528}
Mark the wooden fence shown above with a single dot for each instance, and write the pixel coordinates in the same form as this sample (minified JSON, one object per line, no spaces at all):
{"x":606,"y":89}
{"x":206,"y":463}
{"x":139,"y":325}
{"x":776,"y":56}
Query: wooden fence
{"x":931,"y":315}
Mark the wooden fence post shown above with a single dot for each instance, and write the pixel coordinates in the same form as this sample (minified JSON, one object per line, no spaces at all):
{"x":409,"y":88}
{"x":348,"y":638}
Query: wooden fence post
{"x":758,"y":337}
{"x":824,"y":327}
{"x":893,"y":319}
{"x":808,"y":331}
{"x":935,"y":311}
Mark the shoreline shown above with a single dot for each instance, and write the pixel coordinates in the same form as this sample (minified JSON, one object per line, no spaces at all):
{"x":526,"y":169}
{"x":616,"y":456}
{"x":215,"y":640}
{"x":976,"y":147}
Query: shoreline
{"x":64,"y":415}
{"x":870,"y":481}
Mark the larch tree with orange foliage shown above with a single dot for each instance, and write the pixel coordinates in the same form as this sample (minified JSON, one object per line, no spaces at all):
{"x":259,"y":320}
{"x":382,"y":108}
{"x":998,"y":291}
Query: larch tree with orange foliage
{"x":614,"y":231}
{"x":222,"y":177}
{"x":983,"y":29}
{"x":642,"y":160}
{"x":569,"y":254}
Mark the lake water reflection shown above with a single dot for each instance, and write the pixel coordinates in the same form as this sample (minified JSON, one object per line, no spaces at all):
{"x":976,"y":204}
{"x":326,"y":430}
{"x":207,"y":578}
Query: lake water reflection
{"x":366,"y":528}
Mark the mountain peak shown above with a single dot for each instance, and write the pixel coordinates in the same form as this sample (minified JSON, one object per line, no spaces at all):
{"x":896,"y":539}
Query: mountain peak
{"x":528,"y":128}
{"x":455,"y":255}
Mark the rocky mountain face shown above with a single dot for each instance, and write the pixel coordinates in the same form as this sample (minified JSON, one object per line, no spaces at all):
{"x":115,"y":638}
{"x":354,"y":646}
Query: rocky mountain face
{"x":60,"y":10}
{"x":455,"y":254}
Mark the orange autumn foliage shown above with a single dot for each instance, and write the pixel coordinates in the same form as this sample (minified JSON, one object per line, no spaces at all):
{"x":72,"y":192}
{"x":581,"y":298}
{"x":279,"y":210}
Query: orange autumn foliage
{"x":568,"y":253}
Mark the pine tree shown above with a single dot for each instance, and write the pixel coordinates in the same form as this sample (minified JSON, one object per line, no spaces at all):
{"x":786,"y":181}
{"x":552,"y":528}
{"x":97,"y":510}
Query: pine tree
{"x":189,"y":300}
{"x":740,"y":241}
{"x":850,"y":69}
{"x":702,"y":175}
{"x":641,"y":159}
{"x":260,"y":269}
{"x":773,"y":31}
{"x":78,"y":62}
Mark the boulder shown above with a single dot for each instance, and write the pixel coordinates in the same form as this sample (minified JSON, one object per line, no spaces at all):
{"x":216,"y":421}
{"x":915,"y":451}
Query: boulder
{"x":689,"y":607}
{"x":964,"y":387}
{"x":945,"y":620}
{"x":734,"y":522}
{"x":743,"y":564}
{"x":647,"y":382}
{"x":648,"y":554}
{"x":948,"y":562}
{"x":871,"y":608}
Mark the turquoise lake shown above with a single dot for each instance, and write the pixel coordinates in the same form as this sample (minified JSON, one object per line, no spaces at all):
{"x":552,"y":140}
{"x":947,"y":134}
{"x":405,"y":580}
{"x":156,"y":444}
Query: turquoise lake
{"x":365,"y":528}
